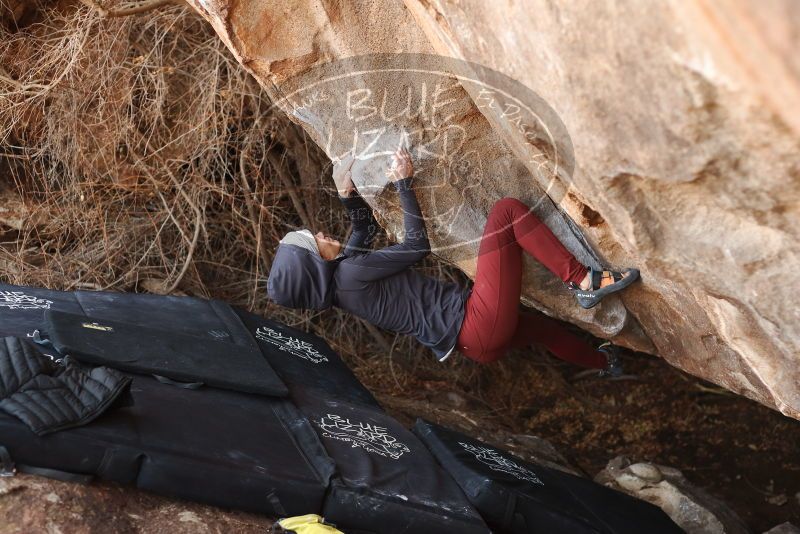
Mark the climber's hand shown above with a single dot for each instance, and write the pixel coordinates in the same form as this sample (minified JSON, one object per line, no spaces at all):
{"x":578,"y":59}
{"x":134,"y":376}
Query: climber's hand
{"x":401,"y":166}
{"x":342,"y":176}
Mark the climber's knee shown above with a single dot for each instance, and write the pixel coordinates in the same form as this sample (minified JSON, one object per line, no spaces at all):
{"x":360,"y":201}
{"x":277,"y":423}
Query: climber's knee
{"x":506,"y":210}
{"x":508,"y":205}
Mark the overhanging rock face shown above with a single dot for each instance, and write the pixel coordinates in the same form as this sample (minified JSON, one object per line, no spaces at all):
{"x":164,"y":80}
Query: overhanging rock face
{"x":671,"y":143}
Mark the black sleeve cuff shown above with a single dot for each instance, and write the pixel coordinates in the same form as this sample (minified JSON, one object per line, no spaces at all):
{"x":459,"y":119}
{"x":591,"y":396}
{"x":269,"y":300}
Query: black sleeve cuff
{"x":404,"y":184}
{"x":352,"y":201}
{"x":357,"y":207}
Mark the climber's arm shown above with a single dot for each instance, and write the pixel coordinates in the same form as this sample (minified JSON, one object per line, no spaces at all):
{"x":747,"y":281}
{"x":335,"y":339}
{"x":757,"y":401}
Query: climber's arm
{"x":365,"y":227}
{"x":395,"y":258}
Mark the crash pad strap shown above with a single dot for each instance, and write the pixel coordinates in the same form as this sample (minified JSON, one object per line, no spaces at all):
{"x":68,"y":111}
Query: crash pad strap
{"x":63,"y":476}
{"x":511,"y":506}
{"x":8,"y":468}
{"x":176,"y":383}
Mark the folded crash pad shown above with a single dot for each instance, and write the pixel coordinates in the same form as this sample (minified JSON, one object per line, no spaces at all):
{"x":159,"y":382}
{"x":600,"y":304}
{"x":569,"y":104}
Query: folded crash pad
{"x":205,"y":319}
{"x":386,"y":480}
{"x":301,"y":359}
{"x":22,"y":308}
{"x":177,"y":356}
{"x":305,"y":361}
{"x":520,"y":497}
{"x":210,"y":445}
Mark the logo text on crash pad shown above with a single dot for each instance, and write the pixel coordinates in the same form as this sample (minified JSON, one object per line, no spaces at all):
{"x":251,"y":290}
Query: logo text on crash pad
{"x":17,"y":300}
{"x":372,"y":438}
{"x":292,"y":345}
{"x":497,"y":462}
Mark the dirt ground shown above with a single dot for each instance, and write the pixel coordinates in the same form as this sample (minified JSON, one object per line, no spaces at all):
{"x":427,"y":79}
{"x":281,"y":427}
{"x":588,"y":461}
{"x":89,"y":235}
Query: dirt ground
{"x":736,"y":449}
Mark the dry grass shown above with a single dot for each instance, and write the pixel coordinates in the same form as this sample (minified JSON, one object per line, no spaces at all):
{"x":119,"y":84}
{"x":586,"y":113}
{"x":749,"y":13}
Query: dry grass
{"x":147,"y":154}
{"x":128,"y":133}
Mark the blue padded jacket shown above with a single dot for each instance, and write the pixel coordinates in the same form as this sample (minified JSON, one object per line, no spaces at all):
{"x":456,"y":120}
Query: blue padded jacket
{"x":376,"y":285}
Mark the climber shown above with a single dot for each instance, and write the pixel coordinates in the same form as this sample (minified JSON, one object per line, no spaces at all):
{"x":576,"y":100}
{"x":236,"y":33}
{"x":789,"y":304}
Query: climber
{"x":482,"y":321}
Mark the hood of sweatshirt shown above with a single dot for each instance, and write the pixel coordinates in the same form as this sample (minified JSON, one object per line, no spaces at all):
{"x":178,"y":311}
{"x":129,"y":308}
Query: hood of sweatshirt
{"x":301,"y":279}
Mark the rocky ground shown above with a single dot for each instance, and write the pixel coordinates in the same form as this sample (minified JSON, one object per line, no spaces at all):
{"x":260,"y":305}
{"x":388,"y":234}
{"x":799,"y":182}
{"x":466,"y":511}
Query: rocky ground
{"x":34,"y":505}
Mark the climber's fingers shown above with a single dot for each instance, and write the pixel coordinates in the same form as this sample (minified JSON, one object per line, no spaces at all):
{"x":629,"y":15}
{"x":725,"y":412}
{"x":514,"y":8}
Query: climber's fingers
{"x":345,"y":162}
{"x":402,"y":165}
{"x":402,"y":156}
{"x":392,"y":173}
{"x":342,"y":167}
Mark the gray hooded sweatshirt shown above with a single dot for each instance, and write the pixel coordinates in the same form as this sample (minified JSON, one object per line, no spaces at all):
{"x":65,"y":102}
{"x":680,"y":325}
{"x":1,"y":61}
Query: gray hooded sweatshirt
{"x":376,"y":285}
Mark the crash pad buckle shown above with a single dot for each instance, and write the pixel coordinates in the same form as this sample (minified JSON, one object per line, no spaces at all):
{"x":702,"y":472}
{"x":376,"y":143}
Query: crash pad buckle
{"x":7,"y":467}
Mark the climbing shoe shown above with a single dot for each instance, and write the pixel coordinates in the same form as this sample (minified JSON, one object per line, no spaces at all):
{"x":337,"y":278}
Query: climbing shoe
{"x":588,"y":298}
{"x":613,"y":367}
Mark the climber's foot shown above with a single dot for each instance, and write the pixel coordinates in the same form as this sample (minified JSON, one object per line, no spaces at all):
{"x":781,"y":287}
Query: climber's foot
{"x":613,"y":369}
{"x":598,"y":284}
{"x":606,"y":279}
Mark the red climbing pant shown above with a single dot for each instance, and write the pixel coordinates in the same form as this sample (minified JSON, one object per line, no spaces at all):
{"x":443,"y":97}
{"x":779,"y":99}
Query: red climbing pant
{"x":492,"y":321}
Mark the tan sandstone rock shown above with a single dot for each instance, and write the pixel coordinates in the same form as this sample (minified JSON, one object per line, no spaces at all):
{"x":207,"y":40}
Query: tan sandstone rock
{"x":678,"y":155}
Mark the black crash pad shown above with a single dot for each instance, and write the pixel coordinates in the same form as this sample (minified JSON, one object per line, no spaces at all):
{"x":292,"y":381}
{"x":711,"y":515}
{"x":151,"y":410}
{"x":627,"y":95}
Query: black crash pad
{"x":520,"y":497}
{"x":305,"y":361}
{"x":22,"y":309}
{"x":22,"y":312}
{"x":162,"y":352}
{"x":387,"y":482}
{"x":213,"y":320}
{"x":210,"y":445}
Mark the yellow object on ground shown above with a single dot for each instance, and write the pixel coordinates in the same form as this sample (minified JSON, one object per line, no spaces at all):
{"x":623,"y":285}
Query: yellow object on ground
{"x":308,"y":524}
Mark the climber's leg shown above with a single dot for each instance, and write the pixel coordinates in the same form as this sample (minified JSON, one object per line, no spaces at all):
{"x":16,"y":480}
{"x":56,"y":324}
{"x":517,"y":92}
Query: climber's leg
{"x":490,"y":318}
{"x":511,"y":218}
{"x":539,"y":241}
{"x":538,"y":328}
{"x":492,"y":310}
